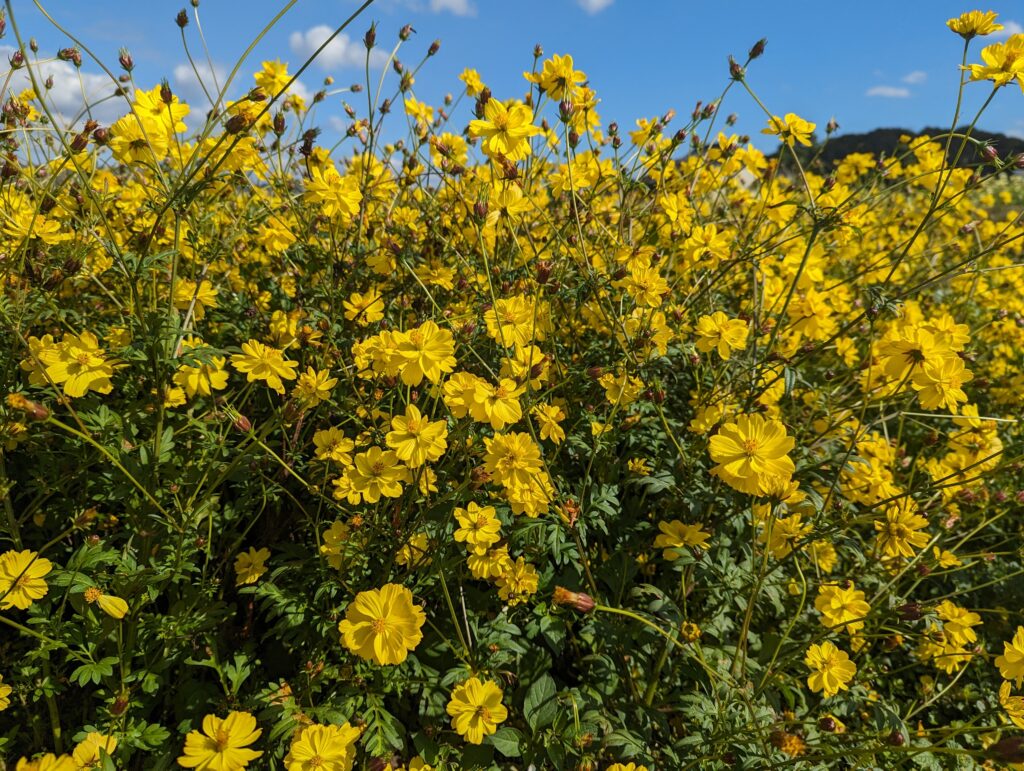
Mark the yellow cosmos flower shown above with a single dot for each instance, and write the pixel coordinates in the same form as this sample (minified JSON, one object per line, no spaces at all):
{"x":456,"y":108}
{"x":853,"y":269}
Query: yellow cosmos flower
{"x":377,"y":473}
{"x":249,"y":566}
{"x":262,"y":362}
{"x":718,"y":332}
{"x":676,"y":535}
{"x":383,"y":625}
{"x":90,"y":752}
{"x":21,"y":578}
{"x":222,"y":744}
{"x":476,"y":709}
{"x":115,"y":607}
{"x":197,"y":296}
{"x":751,"y":453}
{"x":899,"y":534}
{"x":79,"y":364}
{"x":1011,"y":662}
{"x":5,"y":694}
{"x":831,"y":669}
{"x":425,"y":352}
{"x":842,"y":605}
{"x":972,"y":23}
{"x":415,"y":439}
{"x":791,"y":129}
{"x":505,"y":130}
{"x":479,"y":526}
{"x":323,"y":748}
{"x":314,"y":387}
{"x":338,"y":196}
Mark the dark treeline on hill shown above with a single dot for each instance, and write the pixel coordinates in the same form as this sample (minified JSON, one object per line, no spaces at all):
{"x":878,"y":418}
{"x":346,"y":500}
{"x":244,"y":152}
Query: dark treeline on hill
{"x":886,"y":141}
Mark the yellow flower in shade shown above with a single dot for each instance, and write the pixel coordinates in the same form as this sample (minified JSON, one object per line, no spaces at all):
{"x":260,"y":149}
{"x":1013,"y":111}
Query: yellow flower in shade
{"x":718,"y":332}
{"x":333,"y":545}
{"x":314,"y":387}
{"x":505,"y":130}
{"x":415,"y":551}
{"x":751,"y":453}
{"x":517,"y":581}
{"x":115,"y":607}
{"x":203,"y":295}
{"x":517,"y":321}
{"x":323,"y":748}
{"x":945,"y":559}
{"x":21,"y":578}
{"x":972,"y":23}
{"x":262,"y":362}
{"x":782,"y":535}
{"x":791,"y":129}
{"x":383,"y":625}
{"x":222,"y":744}
{"x":1011,"y":663}
{"x":900,"y":533}
{"x":488,"y":564}
{"x":831,"y":669}
{"x":957,"y":623}
{"x":548,"y":417}
{"x":427,"y":352}
{"x":824,"y":555}
{"x":5,"y":694}
{"x":1013,"y":705}
{"x":626,"y":767}
{"x":90,"y":752}
{"x":479,"y":527}
{"x":842,"y":605}
{"x":79,"y":364}
{"x":476,"y":709}
{"x":249,"y":566}
{"x":332,"y":444}
{"x":676,"y":535}
{"x":364,"y":308}
{"x":377,"y":472}
{"x":47,"y":762}
{"x":415,"y":439}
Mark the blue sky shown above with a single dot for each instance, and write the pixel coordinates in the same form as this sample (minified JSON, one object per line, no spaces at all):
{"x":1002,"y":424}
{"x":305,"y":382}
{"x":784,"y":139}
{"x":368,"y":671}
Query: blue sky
{"x":868,"y":63}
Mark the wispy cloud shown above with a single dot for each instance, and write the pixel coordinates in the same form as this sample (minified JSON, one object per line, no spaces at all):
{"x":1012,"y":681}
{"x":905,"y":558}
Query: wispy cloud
{"x":456,"y":7}
{"x":341,"y":52}
{"x":888,"y":92}
{"x":594,"y":6}
{"x":915,"y":78}
{"x":1009,"y":28}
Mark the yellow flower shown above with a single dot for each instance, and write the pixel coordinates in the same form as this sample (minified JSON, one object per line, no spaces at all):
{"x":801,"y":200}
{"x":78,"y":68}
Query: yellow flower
{"x":517,"y":321}
{"x":314,"y":387}
{"x":426,"y":351}
{"x":383,"y":625}
{"x":415,"y":439}
{"x":790,"y":129}
{"x":517,"y":581}
{"x":199,"y":297}
{"x":1014,"y":705}
{"x":5,"y":694}
{"x":938,"y":383}
{"x":472,"y":80}
{"x":548,"y":417}
{"x":333,"y":545}
{"x":718,"y":332}
{"x":842,"y":605}
{"x":782,"y":535}
{"x":21,"y":578}
{"x":114,"y":607}
{"x":138,"y":139}
{"x":273,"y":77}
{"x":377,"y":472}
{"x":488,"y":564}
{"x":249,"y":565}
{"x":972,"y":23}
{"x":1003,"y":62}
{"x":90,"y":752}
{"x":415,"y":551}
{"x":332,"y":444}
{"x":626,"y":767}
{"x":339,"y":197}
{"x":476,"y":709}
{"x":957,"y":623}
{"x":831,"y":669}
{"x":505,"y":130}
{"x":676,"y":535}
{"x":513,"y":459}
{"x":479,"y":526}
{"x":262,"y":362}
{"x":1011,"y":662}
{"x":497,"y":405}
{"x":945,"y":559}
{"x":558,"y":77}
{"x":364,"y":308}
{"x":47,"y":762}
{"x":204,"y":378}
{"x":751,"y":453}
{"x":900,"y":534}
{"x":79,"y":363}
{"x":222,"y":744}
{"x":323,"y":748}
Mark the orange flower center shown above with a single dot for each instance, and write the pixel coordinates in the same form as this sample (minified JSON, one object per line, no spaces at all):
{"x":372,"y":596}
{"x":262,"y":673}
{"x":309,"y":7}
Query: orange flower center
{"x":379,"y":625}
{"x":222,"y":739}
{"x":750,"y":447}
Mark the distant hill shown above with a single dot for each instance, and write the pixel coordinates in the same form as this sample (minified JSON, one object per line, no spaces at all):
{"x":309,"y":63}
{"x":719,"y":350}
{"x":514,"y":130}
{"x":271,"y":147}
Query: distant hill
{"x":886,"y":140}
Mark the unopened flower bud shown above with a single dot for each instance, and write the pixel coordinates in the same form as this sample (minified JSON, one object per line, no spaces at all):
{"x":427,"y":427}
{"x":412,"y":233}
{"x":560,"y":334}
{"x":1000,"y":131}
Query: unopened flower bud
{"x":370,"y":38}
{"x":242,"y":423}
{"x":17,"y":59}
{"x":736,"y":71}
{"x":758,"y":48}
{"x":579,"y":601}
{"x":405,"y":32}
{"x":33,"y":410}
{"x":181,"y":19}
{"x":480,"y":210}
{"x":989,"y":153}
{"x":125,"y":60}
{"x":434,"y":48}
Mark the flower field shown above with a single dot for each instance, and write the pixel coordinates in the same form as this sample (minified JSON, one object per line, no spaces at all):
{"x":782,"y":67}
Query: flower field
{"x":487,"y":434}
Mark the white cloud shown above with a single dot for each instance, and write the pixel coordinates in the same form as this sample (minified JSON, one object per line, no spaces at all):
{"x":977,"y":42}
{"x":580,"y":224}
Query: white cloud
{"x":70,"y":85}
{"x":457,"y":7}
{"x":190,"y":88}
{"x":888,"y":92}
{"x":915,"y":78}
{"x":1009,"y":28}
{"x":341,"y":52}
{"x":594,"y":6}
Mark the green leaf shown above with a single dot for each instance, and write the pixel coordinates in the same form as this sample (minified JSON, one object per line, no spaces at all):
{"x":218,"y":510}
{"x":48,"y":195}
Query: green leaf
{"x":507,"y":741}
{"x":540,"y":706}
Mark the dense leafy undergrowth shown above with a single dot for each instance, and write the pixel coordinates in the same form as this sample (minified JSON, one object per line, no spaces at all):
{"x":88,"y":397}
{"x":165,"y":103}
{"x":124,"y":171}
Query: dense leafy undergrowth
{"x":523,"y":441}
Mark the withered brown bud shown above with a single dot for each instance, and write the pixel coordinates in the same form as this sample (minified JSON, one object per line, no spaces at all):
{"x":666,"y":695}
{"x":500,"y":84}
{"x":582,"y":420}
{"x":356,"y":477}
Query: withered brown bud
{"x":236,"y":124}
{"x":181,"y":19}
{"x":544,"y":268}
{"x":279,"y":124}
{"x":758,"y":48}
{"x":578,"y":601}
{"x":594,"y":373}
{"x":827,"y":724}
{"x":989,"y":153}
{"x":480,"y":210}
{"x":101,"y":136}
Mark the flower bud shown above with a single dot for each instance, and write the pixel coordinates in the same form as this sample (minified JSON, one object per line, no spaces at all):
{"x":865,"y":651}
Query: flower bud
{"x":989,"y":153}
{"x":242,"y":424}
{"x":1009,"y":749}
{"x":17,"y":59}
{"x":125,"y":59}
{"x":736,"y":72}
{"x":434,"y":48}
{"x":579,"y":601}
{"x":181,"y":19}
{"x":538,"y":51}
{"x":370,"y":38}
{"x":405,"y":32}
{"x":757,"y":49}
{"x":33,"y":410}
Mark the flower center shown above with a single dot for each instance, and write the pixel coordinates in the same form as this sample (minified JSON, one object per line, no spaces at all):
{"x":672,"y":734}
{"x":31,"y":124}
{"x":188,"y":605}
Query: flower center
{"x":222,"y":738}
{"x":379,"y":625}
{"x":750,"y":447}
